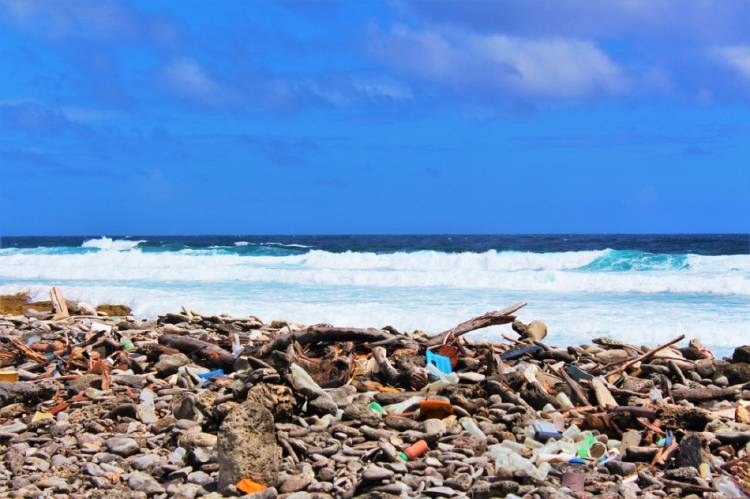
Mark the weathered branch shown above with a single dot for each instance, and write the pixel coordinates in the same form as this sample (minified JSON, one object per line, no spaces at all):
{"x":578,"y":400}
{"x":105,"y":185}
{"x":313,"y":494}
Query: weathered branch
{"x":386,"y":368}
{"x":324,"y":333}
{"x":213,"y":355}
{"x":646,"y":355}
{"x":494,"y":318}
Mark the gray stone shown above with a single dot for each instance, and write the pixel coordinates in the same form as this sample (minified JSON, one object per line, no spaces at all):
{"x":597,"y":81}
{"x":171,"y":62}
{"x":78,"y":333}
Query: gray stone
{"x":52,"y":482}
{"x":193,"y":439}
{"x":122,"y":446}
{"x":144,"y":483}
{"x":621,"y":468}
{"x":246,"y":446}
{"x":144,"y":462}
{"x":375,"y":473}
{"x":741,"y":354}
{"x":168,"y":364}
{"x":200,"y":477}
{"x":13,"y":428}
{"x":184,"y":490}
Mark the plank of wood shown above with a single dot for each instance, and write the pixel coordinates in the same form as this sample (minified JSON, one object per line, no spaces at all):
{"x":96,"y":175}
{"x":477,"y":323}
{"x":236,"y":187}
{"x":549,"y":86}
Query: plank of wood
{"x":59,"y":304}
{"x":603,"y":395}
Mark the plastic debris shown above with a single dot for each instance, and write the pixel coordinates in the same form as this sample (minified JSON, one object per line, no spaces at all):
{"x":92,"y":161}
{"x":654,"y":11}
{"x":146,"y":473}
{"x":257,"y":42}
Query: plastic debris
{"x":416,"y":450}
{"x":8,"y":375}
{"x":433,"y":408}
{"x":249,"y":487}
{"x":543,"y":431}
{"x":212,"y":374}
{"x":441,"y":362}
{"x":376,"y":408}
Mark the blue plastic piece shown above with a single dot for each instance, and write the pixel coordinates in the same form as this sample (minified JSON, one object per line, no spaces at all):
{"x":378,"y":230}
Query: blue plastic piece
{"x":577,"y":460}
{"x":212,"y":374}
{"x":440,"y":361}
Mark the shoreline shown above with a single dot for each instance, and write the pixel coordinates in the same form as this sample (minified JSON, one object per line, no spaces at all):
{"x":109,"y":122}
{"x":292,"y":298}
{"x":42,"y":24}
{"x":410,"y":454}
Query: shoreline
{"x":213,"y":406}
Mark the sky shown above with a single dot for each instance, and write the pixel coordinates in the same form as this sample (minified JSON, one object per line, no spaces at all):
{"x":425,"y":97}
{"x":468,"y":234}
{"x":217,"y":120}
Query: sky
{"x":401,"y":116}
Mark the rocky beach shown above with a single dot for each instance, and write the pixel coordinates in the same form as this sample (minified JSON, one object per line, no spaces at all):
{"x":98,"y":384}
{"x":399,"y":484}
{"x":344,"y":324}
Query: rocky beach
{"x":97,"y":403}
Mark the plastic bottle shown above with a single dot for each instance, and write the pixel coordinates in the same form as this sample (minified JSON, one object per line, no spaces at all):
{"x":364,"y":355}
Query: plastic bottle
{"x":414,"y":451}
{"x":471,"y":427}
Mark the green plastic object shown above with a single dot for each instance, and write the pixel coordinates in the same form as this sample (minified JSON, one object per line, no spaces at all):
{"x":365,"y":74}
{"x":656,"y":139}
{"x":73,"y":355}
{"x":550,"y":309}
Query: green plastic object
{"x":583,"y":450}
{"x":376,"y":407}
{"x":403,"y":456}
{"x":126,"y":343}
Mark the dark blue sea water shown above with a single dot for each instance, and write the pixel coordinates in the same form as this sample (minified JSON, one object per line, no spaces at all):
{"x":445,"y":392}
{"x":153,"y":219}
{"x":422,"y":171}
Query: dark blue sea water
{"x":700,"y":244}
{"x":640,"y":288}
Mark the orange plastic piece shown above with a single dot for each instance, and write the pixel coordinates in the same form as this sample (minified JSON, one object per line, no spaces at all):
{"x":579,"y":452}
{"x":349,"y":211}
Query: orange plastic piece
{"x":416,"y":450}
{"x":248,"y":486}
{"x":435,"y":409}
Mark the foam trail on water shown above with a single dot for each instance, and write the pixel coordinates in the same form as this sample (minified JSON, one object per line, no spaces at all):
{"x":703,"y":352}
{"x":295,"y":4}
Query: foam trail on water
{"x":108,"y":244}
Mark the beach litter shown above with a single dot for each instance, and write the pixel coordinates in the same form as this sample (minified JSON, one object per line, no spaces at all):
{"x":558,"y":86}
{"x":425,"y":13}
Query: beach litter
{"x":188,"y":405}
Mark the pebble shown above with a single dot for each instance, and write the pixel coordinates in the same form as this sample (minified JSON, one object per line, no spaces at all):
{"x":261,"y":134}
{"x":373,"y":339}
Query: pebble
{"x":122,"y":446}
{"x":144,"y":483}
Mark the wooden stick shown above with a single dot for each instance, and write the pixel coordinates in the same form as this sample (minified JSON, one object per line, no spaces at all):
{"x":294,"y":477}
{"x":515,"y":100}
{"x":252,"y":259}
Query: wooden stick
{"x":575,"y":387}
{"x":646,"y":355}
{"x":493,"y":318}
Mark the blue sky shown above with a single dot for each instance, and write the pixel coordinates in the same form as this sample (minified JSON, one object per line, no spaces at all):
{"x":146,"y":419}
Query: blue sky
{"x":146,"y":117}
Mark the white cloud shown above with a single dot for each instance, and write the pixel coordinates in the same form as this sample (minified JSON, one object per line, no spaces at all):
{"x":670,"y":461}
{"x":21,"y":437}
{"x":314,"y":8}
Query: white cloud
{"x":737,"y":57}
{"x":541,"y":67}
{"x":188,"y":79}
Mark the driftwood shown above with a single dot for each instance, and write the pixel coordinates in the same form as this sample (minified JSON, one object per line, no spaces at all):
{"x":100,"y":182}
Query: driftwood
{"x":325,"y":333}
{"x":26,"y":391}
{"x":603,"y":395}
{"x":200,"y":350}
{"x":389,"y":372}
{"x":494,"y":318}
{"x":704,"y":393}
{"x":59,"y":304}
{"x":574,"y":387}
{"x":646,"y":355}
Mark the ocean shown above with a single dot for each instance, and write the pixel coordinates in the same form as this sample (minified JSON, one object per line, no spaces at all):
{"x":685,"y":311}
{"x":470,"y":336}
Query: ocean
{"x":643,"y":289}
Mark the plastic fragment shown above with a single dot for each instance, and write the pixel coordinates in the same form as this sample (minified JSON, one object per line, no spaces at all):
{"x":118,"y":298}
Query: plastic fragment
{"x":543,"y":431}
{"x":248,"y":486}
{"x":9,"y":375}
{"x":471,"y":427}
{"x":440,"y":361}
{"x":212,"y":374}
{"x":417,"y":449}
{"x":41,"y":416}
{"x":432,"y":408}
{"x":519,"y":352}
{"x":585,"y":447}
{"x":126,"y":343}
{"x":377,"y":408}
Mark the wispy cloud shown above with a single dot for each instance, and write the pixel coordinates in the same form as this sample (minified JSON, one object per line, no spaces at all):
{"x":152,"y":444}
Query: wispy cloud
{"x":189,"y":79}
{"x":736,"y":57}
{"x":536,"y":67}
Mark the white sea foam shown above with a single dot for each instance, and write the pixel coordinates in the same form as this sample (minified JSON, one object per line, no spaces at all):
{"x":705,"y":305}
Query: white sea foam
{"x":510,"y":271}
{"x":108,"y":244}
{"x":242,"y":243}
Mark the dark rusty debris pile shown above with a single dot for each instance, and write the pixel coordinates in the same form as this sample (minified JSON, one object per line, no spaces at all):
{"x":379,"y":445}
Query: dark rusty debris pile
{"x":190,"y":405}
